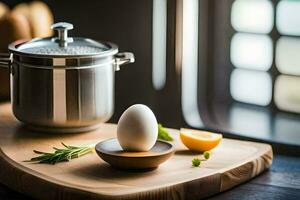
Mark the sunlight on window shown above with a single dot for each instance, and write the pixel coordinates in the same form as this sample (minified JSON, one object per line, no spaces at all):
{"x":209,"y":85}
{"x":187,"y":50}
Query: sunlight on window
{"x":252,"y":87}
{"x":287,"y":93}
{"x":286,"y":125}
{"x":190,"y":63}
{"x":159,"y":43}
{"x":242,"y":117}
{"x":254,"y":16}
{"x":287,"y":55}
{"x":288,"y":17}
{"x":251,"y":51}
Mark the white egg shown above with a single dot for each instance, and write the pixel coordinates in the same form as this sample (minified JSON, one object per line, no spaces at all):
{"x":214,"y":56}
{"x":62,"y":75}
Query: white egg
{"x":137,"y":128}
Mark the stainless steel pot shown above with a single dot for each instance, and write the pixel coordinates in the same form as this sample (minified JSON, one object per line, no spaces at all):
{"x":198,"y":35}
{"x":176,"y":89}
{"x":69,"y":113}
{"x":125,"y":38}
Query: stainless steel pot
{"x":63,"y":84}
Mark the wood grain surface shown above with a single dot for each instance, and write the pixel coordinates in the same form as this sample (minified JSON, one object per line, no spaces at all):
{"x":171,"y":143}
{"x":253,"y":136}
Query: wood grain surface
{"x":232,"y":162}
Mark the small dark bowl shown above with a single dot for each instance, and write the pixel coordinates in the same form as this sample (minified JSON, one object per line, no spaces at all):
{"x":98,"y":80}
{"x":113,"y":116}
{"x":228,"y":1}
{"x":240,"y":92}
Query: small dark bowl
{"x":111,"y":152}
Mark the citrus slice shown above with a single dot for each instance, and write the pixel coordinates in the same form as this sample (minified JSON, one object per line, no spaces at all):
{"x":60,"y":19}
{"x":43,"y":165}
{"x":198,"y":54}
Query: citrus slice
{"x":197,"y":140}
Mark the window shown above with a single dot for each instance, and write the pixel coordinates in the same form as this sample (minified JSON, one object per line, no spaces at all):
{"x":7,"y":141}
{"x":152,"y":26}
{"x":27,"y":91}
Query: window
{"x":287,"y":93}
{"x":288,"y":17}
{"x":254,"y":16}
{"x":251,"y":48}
{"x":251,"y":86}
{"x":288,"y":55}
{"x":251,"y":51}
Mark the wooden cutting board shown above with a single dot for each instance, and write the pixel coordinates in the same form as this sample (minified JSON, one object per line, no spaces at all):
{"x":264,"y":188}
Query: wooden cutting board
{"x":232,"y":162}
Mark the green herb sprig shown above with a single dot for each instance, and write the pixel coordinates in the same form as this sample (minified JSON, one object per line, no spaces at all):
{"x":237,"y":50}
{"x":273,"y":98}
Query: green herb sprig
{"x":206,"y":155}
{"x":163,"y":133}
{"x":197,"y":161}
{"x":61,"y":154}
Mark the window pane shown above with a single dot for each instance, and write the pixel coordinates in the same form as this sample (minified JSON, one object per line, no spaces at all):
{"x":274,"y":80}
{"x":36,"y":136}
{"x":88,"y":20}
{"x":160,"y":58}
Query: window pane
{"x":159,"y":43}
{"x":252,"y":16}
{"x":190,"y":36}
{"x":252,"y":87}
{"x":287,"y":55}
{"x":287,"y":93}
{"x":251,"y":51}
{"x":288,"y":17}
{"x":287,"y":126}
{"x":250,"y":120}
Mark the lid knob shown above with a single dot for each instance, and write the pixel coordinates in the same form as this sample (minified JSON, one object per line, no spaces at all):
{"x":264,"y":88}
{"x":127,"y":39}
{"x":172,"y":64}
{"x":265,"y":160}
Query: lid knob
{"x":62,"y":30}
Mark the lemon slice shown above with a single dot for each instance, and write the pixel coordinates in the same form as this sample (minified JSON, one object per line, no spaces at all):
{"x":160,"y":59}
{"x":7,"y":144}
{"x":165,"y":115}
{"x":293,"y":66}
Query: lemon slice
{"x":197,"y":140}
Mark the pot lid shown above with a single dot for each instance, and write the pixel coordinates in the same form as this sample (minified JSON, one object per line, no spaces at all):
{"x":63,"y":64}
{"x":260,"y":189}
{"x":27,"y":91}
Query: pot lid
{"x":64,"y":46}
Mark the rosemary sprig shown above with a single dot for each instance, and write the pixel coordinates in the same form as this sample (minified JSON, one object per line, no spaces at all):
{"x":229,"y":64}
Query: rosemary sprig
{"x":163,"y":133}
{"x":61,"y":154}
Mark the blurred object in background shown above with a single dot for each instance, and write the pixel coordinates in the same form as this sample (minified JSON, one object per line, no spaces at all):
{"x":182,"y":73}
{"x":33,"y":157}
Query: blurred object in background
{"x":25,"y":21}
{"x":13,"y":26}
{"x":39,"y":16}
{"x":4,"y":89}
{"x":3,"y":9}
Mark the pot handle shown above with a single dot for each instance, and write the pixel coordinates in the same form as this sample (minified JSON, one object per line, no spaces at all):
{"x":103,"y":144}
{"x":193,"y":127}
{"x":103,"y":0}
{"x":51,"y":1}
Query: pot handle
{"x":123,"y":59}
{"x":5,"y":60}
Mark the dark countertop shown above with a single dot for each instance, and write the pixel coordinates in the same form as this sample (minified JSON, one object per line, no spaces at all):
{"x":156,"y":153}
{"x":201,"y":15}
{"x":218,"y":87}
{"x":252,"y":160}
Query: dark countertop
{"x":282,"y":181}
